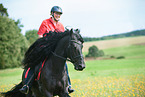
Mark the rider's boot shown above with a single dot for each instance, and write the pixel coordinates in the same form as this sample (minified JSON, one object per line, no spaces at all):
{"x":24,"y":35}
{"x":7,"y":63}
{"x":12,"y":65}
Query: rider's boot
{"x":70,"y":90}
{"x":28,"y":82}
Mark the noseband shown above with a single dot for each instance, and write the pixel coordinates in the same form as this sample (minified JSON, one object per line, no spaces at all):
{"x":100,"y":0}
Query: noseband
{"x":72,"y":58}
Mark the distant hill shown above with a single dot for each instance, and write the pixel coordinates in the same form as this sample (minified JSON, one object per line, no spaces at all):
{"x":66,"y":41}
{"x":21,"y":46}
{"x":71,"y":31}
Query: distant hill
{"x":113,"y":43}
{"x":127,"y":34}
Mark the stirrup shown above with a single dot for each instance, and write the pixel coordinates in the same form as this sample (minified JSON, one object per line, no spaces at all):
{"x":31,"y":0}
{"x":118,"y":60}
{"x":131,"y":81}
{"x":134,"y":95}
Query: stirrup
{"x":27,"y":89}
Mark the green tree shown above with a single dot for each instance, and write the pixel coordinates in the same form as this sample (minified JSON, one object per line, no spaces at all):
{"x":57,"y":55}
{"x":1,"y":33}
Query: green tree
{"x":18,"y":23}
{"x":101,"y":53}
{"x":3,"y":11}
{"x":31,"y":35}
{"x":94,"y":52}
{"x":12,"y":43}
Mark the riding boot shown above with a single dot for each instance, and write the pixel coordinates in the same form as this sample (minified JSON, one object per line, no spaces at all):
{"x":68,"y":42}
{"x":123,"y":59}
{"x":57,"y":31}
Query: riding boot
{"x":70,"y":90}
{"x":28,"y":81}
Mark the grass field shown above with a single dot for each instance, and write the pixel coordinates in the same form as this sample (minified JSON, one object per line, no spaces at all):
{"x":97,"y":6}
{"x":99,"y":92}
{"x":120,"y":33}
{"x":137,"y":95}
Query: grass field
{"x":101,"y":78}
{"x":113,"y":78}
{"x":105,"y":44}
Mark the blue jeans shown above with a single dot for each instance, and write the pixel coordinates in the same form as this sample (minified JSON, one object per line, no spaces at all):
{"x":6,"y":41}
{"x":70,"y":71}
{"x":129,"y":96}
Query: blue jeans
{"x":69,"y":82}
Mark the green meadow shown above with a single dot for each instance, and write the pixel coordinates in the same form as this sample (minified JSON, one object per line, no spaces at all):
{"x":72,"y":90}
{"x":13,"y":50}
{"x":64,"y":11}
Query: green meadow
{"x":101,"y":78}
{"x":112,"y":77}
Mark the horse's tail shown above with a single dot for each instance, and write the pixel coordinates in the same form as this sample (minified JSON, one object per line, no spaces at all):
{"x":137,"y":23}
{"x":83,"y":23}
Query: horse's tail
{"x":14,"y":92}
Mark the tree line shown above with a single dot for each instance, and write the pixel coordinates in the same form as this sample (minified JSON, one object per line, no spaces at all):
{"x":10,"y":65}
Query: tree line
{"x":127,"y":34}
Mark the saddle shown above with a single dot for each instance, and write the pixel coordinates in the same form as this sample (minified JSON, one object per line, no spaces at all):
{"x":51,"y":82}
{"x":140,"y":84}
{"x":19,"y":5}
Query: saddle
{"x":36,"y":74}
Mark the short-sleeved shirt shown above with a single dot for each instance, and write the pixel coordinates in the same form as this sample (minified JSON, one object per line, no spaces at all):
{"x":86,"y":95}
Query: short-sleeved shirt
{"x":47,"y":25}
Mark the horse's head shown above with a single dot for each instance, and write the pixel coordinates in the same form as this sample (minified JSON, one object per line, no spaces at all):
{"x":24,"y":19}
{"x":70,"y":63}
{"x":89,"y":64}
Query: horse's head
{"x":75,"y":49}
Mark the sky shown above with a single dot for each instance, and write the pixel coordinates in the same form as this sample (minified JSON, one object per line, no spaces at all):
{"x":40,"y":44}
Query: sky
{"x":94,"y":18}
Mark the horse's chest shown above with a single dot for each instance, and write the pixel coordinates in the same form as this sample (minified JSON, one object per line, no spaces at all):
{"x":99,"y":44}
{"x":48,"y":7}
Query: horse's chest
{"x":56,"y":82}
{"x":53,"y":81}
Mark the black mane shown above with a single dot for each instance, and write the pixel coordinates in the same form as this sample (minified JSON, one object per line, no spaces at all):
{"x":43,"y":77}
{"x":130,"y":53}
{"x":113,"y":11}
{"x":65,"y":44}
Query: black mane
{"x":42,"y":48}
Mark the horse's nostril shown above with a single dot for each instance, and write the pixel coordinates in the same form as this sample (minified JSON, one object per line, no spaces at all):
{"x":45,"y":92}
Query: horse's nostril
{"x":81,"y":67}
{"x":84,"y":67}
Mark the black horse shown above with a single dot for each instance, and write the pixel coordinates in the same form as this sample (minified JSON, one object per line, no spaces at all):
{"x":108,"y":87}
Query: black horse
{"x":53,"y":50}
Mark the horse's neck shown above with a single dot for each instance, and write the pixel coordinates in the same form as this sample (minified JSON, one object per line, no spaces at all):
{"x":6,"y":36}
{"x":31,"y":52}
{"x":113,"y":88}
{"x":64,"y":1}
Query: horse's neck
{"x":57,"y":62}
{"x":62,"y":45}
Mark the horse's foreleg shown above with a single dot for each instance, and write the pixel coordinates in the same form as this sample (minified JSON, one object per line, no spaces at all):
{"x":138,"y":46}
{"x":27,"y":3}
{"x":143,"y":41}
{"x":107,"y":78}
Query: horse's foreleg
{"x":47,"y":94}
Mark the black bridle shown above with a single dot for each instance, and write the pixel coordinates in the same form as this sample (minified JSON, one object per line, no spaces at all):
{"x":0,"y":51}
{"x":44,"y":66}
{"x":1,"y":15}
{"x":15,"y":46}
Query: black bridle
{"x":72,"y":59}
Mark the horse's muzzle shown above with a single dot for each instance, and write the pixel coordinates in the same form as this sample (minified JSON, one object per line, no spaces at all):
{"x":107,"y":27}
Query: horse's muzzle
{"x":80,"y":67}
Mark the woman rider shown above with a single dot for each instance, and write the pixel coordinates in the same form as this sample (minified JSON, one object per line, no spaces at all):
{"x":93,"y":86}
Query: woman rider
{"x":51,"y":24}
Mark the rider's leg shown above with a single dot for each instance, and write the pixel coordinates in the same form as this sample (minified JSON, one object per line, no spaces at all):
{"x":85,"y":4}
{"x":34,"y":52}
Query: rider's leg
{"x":69,"y":82}
{"x":28,"y":81}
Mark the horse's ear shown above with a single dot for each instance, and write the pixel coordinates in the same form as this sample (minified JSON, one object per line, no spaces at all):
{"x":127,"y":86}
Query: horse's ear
{"x":66,"y":28}
{"x":71,"y":31}
{"x":78,"y":30}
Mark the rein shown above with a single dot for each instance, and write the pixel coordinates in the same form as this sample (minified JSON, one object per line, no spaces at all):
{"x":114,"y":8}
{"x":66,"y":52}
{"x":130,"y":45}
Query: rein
{"x":60,"y":57}
{"x":71,"y":60}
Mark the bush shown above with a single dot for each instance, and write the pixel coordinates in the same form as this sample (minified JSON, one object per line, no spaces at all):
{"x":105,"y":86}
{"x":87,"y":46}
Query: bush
{"x":101,"y":53}
{"x":112,"y":56}
{"x":94,"y":52}
{"x":120,"y":57}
